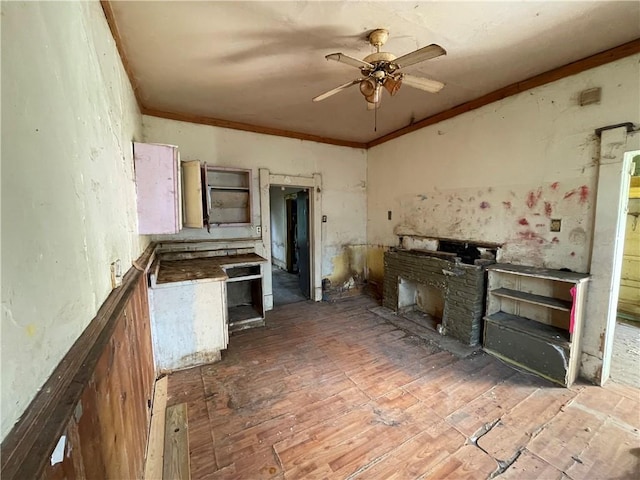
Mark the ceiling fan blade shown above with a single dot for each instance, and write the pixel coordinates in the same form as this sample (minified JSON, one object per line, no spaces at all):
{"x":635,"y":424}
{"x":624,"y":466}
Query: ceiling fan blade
{"x":425,"y":84}
{"x":354,"y":62}
{"x":420,"y":55}
{"x":336,"y":90}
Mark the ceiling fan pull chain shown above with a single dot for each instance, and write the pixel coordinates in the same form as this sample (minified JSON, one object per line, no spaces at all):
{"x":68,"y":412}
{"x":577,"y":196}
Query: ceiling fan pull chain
{"x":375,"y":119}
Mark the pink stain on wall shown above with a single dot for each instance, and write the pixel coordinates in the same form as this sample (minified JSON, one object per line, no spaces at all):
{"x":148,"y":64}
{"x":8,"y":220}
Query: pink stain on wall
{"x":484,"y":205}
{"x":570,"y":194}
{"x":555,"y":185}
{"x":533,"y":197}
{"x":523,"y":221}
{"x":547,"y":209}
{"x":531,"y":236}
{"x":584,"y":194}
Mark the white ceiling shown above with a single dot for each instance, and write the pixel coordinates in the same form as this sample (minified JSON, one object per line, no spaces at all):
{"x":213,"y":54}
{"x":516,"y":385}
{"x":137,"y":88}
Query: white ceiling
{"x":261,"y":63}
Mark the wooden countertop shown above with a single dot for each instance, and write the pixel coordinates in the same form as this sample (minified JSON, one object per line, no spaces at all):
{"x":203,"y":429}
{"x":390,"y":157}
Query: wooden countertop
{"x":209,"y":268}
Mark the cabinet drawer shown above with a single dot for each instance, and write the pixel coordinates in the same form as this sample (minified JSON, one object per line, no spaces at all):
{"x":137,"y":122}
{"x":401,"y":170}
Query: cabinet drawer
{"x":545,"y":358}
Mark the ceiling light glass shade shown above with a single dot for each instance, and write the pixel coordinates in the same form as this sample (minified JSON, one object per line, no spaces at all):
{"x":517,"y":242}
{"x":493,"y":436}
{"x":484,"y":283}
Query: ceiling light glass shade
{"x":392,"y":85}
{"x":367,"y":87}
{"x":375,"y":96}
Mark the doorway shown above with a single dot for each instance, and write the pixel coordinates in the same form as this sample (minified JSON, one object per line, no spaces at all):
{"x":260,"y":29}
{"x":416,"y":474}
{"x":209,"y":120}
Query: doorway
{"x":290,"y":245}
{"x":625,"y":361}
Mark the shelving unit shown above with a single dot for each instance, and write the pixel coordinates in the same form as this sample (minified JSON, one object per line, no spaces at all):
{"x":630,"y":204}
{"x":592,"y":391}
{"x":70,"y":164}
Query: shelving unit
{"x":534,"y":319}
{"x":244,"y":297}
{"x":228,"y":196}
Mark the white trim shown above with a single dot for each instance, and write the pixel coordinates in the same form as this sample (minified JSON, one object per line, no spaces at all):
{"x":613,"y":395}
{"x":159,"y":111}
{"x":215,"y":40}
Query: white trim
{"x":314,"y":184}
{"x":606,"y":258}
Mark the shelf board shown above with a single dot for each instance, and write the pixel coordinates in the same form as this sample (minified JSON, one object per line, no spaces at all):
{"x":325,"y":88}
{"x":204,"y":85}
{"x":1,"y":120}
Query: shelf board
{"x":555,"y":335}
{"x":244,"y":278}
{"x":546,"y":273}
{"x":227,"y":187}
{"x":550,"y":302}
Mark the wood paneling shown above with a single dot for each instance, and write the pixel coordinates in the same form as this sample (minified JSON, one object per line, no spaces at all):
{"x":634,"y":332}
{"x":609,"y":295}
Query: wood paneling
{"x":98,"y":397}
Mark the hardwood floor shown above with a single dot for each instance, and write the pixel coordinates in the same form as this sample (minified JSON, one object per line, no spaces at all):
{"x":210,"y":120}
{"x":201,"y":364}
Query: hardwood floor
{"x":335,"y":391}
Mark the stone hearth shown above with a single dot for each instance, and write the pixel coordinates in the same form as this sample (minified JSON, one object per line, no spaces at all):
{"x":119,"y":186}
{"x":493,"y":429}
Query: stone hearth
{"x":462,"y":287}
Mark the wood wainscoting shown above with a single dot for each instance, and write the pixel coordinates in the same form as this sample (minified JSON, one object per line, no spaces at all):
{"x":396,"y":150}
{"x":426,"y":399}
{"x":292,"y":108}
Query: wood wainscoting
{"x":98,"y":398}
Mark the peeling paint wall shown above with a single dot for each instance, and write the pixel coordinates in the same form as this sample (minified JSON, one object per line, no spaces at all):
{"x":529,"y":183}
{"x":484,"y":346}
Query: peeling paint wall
{"x":503,"y":172}
{"x":68,"y":197}
{"x":343,"y":172}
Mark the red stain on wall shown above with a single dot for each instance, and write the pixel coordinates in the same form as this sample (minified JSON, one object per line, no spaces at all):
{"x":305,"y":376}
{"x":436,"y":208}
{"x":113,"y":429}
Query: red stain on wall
{"x":506,"y":204}
{"x":547,"y":209}
{"x":523,"y":221}
{"x":584,"y":194}
{"x":555,"y":185}
{"x":484,"y":205}
{"x":533,"y":197}
{"x":532,"y":236}
{"x":570,"y":193}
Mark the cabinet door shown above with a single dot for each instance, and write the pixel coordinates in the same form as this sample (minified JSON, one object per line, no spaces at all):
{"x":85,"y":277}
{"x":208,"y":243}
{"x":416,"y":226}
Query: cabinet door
{"x":192,"y":194}
{"x":157,"y":188}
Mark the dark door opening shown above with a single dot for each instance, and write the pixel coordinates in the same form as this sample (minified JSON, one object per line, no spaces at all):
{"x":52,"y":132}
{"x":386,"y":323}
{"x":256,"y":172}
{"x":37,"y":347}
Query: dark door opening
{"x":290,"y":253}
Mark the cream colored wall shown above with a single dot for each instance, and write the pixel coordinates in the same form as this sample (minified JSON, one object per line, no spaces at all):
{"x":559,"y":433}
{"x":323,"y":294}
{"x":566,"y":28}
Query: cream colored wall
{"x":68,"y":198}
{"x":502,"y":172}
{"x":343,"y":172}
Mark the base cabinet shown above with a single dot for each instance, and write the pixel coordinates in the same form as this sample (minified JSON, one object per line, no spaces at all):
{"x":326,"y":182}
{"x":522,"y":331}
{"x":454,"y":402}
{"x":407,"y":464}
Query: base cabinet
{"x":188,"y":323}
{"x":534,"y":319}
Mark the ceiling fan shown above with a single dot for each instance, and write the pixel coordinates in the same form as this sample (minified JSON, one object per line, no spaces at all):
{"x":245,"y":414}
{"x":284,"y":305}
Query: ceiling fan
{"x":381,"y":69}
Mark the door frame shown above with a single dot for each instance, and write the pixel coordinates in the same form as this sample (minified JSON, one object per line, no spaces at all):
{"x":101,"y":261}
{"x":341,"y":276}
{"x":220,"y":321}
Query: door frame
{"x":617,"y":148}
{"x":314,"y":184}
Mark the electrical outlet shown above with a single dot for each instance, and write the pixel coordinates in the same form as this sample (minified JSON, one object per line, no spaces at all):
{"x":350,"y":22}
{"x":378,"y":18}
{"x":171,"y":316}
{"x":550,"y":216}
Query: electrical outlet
{"x":259,"y":230}
{"x":116,"y":274}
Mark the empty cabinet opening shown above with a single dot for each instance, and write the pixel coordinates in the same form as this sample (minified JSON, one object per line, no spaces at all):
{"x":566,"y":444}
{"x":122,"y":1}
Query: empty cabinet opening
{"x":244,"y":300}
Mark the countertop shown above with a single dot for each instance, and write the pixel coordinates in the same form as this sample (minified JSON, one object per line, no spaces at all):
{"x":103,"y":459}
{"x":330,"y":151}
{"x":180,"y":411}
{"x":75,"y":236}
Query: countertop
{"x":203,"y":268}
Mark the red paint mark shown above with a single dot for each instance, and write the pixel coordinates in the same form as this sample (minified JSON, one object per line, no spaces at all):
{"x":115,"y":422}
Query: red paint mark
{"x":523,"y":221}
{"x":533,"y":197}
{"x":555,"y":185}
{"x":529,"y":235}
{"x":573,"y":254}
{"x":570,"y":193}
{"x":555,"y":240}
{"x":506,"y":204}
{"x":484,"y":205}
{"x":584,"y":194}
{"x":547,"y":209}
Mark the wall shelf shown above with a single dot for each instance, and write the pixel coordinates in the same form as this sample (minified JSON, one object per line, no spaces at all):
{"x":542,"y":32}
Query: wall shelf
{"x":534,"y":319}
{"x":228,"y":196}
{"x":550,"y":302}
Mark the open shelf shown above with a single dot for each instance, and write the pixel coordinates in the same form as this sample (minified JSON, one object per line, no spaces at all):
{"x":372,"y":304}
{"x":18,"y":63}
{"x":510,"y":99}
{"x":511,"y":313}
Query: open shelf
{"x":538,"y":331}
{"x":542,"y":331}
{"x":542,"y":300}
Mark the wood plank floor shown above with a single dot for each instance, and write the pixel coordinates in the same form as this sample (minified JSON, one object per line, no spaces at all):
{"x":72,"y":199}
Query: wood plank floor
{"x":335,"y":391}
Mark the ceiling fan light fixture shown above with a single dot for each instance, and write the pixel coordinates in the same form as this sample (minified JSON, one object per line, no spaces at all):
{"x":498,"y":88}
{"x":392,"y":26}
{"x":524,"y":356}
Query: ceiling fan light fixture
{"x":392,"y":85}
{"x":375,"y":96}
{"x":367,"y":87}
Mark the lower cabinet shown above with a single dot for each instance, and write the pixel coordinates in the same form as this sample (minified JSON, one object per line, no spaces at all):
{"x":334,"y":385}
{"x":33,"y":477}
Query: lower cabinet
{"x":188,"y":323}
{"x":534,"y":319}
